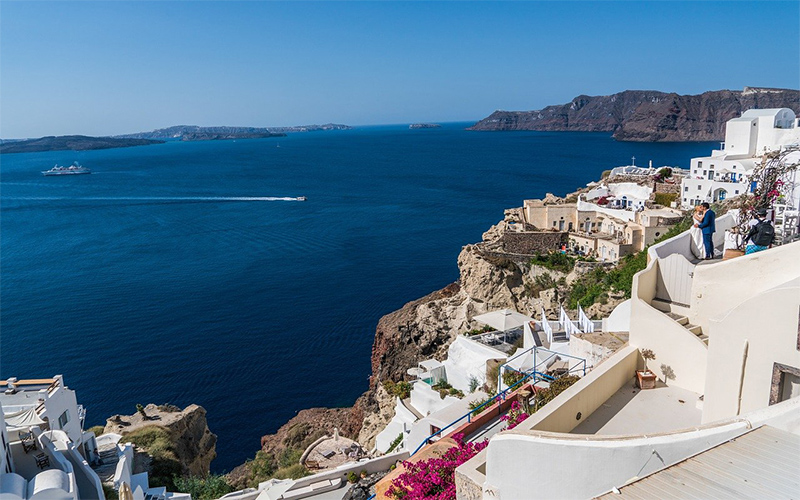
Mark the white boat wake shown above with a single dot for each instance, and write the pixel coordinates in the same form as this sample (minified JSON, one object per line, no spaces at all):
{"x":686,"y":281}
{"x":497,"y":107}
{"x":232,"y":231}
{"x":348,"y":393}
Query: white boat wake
{"x":157,"y":198}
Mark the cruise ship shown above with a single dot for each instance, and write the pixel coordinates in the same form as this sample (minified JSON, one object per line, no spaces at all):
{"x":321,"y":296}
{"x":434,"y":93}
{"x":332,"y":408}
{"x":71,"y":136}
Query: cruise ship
{"x":74,"y":169}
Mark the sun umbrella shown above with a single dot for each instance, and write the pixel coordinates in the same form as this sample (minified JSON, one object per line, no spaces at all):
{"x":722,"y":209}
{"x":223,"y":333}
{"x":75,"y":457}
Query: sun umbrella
{"x":125,"y":492}
{"x":503,"y":320}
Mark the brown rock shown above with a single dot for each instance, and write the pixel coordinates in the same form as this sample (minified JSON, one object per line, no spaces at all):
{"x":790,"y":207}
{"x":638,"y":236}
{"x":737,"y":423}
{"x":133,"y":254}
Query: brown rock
{"x":646,"y":115}
{"x":194,"y":444}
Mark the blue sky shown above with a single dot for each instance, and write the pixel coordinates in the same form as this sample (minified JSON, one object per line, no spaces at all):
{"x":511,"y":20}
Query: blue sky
{"x":102,"y":68}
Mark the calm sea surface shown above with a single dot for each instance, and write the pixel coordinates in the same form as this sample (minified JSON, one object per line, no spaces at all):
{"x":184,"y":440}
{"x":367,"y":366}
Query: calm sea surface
{"x":137,"y":289}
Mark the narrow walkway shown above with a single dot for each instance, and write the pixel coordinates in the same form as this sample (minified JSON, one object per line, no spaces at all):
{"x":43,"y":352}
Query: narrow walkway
{"x":86,"y":487}
{"x":109,"y":459}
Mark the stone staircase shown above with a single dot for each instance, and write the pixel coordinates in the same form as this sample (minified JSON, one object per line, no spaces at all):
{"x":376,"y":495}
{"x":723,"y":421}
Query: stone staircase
{"x":109,"y":458}
{"x":679,"y":313}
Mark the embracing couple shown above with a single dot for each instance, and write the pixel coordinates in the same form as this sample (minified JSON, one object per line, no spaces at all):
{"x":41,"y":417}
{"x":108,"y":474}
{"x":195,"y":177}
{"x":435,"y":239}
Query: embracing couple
{"x":703,"y":231}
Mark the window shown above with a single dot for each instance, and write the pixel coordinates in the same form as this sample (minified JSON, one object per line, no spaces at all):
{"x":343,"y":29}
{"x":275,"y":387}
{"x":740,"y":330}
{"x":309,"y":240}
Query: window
{"x":555,"y":223}
{"x":686,"y":188}
{"x":63,"y":419}
{"x":699,"y":164}
{"x":698,"y":188}
{"x":705,"y":172}
{"x":658,"y":234}
{"x":785,"y":383}
{"x":736,"y":192}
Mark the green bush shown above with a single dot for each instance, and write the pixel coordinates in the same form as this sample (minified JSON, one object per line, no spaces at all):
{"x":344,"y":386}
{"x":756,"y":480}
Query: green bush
{"x":473,"y":383}
{"x":556,"y":261}
{"x":473,"y":405}
{"x":478,"y":331}
{"x":511,"y":377}
{"x":289,"y":457}
{"x":352,"y":478}
{"x":557,"y":386}
{"x":664,"y":198}
{"x":296,"y":434}
{"x":158,"y":444}
{"x":295,"y":471}
{"x":544,"y":281}
{"x":97,"y":430}
{"x":208,"y":488}
{"x":395,"y":443}
{"x":665,"y":173}
{"x":400,"y":389}
{"x":261,"y":468}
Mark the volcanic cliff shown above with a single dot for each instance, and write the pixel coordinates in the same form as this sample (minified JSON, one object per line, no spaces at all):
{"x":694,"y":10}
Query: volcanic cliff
{"x":646,"y":115}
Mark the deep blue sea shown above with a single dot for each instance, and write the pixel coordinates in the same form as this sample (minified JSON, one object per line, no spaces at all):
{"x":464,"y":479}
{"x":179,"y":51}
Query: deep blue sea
{"x":138,"y":290}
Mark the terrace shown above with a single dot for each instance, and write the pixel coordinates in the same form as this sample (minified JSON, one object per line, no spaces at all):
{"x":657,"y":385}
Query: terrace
{"x":634,"y":411}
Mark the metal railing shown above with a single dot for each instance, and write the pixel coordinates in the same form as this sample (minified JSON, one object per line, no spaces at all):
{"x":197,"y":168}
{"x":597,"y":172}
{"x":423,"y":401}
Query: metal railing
{"x":500,"y":396}
{"x":535,"y":371}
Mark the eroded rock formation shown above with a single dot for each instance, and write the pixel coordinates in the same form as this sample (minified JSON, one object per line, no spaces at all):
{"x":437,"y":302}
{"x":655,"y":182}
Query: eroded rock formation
{"x":192,"y":442}
{"x":646,"y":115}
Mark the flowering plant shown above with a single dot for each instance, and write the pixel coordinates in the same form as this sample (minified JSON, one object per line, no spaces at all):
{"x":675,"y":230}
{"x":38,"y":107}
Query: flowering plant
{"x":434,"y":478}
{"x":516,"y":415}
{"x":768,"y":185}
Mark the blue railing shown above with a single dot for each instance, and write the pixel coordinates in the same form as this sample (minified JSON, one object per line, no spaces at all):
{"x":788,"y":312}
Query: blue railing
{"x":535,"y":374}
{"x":535,"y":371}
{"x":499,"y":396}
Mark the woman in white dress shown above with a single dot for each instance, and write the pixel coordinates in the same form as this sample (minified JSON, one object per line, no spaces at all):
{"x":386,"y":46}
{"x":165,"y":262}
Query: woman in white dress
{"x":698,"y":249}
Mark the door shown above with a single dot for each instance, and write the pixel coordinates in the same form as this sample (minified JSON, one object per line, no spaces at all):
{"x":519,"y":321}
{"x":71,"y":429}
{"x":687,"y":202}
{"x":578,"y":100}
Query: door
{"x":674,"y":282}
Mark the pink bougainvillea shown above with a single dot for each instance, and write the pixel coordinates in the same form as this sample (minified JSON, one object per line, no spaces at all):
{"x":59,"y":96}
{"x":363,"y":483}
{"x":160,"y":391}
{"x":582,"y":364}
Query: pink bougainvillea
{"x":514,"y":416}
{"x":434,"y":478}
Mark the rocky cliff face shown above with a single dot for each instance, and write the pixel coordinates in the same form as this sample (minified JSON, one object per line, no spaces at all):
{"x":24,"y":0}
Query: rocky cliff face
{"x":646,"y":116}
{"x":191,"y":441}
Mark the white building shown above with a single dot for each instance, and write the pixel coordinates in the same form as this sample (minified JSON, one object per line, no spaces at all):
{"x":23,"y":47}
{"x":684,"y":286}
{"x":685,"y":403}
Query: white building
{"x":45,"y":453}
{"x":725,"y":346}
{"x":726,"y":172}
{"x":50,"y":404}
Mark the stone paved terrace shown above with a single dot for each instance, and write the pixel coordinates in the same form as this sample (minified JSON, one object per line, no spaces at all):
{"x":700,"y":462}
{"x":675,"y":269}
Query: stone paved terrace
{"x":633,"y":411}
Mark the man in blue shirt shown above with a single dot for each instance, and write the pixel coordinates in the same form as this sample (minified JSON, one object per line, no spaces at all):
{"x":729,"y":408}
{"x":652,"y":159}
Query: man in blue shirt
{"x":707,"y":225}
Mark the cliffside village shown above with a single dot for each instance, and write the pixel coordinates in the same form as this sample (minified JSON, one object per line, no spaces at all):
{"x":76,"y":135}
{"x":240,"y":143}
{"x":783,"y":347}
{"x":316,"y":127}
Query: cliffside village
{"x":699,"y":367}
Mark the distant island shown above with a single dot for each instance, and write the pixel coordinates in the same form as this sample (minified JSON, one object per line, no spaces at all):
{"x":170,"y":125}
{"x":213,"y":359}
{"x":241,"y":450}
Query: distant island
{"x":211,"y":136}
{"x":646,"y":115}
{"x":197,"y":133}
{"x":424,"y":125}
{"x":182,"y":132}
{"x":70,"y":142}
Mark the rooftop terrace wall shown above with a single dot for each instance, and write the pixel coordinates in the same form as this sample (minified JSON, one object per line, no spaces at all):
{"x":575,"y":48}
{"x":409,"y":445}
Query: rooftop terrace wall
{"x":746,"y":348}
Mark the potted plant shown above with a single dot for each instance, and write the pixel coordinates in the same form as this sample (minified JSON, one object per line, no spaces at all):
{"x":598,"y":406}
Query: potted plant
{"x":646,"y":379}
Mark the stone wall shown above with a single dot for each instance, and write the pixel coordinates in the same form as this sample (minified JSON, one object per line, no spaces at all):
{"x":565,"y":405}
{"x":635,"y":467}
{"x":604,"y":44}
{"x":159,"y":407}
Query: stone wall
{"x":661,"y":187}
{"x":642,"y":180}
{"x":530,"y":243}
{"x":584,"y":267}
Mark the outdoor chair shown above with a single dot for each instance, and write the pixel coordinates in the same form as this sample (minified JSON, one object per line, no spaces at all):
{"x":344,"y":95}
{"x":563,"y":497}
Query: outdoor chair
{"x":28,"y":442}
{"x":42,"y":461}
